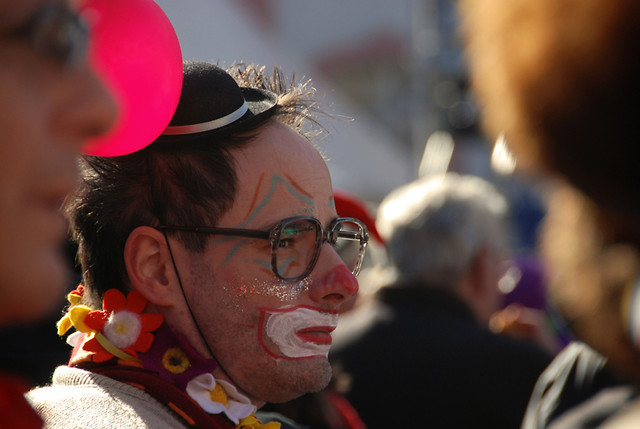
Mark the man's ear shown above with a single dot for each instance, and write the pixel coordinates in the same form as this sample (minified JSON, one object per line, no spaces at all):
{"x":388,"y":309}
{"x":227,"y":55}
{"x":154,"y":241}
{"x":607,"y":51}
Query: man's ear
{"x":149,"y":265}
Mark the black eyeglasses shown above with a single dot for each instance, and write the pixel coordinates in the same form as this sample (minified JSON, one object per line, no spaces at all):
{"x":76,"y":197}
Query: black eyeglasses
{"x":56,"y":33}
{"x":296,"y":242}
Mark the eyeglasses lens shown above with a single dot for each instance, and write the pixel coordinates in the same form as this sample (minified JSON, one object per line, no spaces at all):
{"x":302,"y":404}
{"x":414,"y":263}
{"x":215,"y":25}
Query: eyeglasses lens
{"x":349,"y":244}
{"x":296,"y":248}
{"x":299,"y":245}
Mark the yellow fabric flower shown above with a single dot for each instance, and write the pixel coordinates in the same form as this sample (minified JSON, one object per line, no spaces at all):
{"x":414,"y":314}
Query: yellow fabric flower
{"x":64,"y":324}
{"x":251,"y":422}
{"x":175,"y":361}
{"x":75,"y":317}
{"x":77,"y":313}
{"x":218,"y":394}
{"x":74,"y":297}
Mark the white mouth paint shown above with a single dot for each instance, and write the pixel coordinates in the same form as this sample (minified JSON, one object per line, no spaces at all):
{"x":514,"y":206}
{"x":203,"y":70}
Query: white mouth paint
{"x":301,"y":331}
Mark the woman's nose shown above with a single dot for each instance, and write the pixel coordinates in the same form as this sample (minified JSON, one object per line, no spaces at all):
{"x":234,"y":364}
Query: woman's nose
{"x":332,"y":280}
{"x":85,"y":109}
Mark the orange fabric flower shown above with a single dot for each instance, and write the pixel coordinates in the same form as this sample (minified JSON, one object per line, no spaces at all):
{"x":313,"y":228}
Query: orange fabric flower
{"x":122,"y":324}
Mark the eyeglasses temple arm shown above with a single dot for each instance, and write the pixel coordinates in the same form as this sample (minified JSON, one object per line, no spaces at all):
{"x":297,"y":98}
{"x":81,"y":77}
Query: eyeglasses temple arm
{"x":220,"y":231}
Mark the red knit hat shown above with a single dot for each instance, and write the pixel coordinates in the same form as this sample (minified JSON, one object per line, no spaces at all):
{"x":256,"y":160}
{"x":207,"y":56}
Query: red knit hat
{"x":349,"y":205}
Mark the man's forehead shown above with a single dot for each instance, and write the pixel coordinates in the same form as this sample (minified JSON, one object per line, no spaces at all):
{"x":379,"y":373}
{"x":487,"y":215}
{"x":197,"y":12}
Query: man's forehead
{"x":275,"y":196}
{"x":282,"y":173}
{"x":280,"y":150}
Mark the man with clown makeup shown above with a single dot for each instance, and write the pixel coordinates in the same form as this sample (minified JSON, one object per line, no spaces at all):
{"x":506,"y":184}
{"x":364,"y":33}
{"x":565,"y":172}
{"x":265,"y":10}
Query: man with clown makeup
{"x":211,"y":283}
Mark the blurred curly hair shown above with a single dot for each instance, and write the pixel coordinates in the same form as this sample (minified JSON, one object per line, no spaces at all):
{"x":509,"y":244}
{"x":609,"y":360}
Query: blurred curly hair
{"x":561,"y":80}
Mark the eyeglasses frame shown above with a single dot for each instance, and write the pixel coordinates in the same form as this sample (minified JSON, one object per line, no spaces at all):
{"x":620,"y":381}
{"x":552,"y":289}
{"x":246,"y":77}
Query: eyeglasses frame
{"x":329,"y":235}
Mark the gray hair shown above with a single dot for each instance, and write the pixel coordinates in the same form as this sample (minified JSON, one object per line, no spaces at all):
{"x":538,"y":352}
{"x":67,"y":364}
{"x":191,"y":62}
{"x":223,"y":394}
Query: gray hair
{"x":435,"y":226}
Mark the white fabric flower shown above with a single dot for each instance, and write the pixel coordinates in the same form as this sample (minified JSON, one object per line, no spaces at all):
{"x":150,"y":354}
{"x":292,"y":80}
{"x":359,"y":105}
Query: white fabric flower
{"x":76,"y":338}
{"x":237,"y":407}
{"x":123,"y":328}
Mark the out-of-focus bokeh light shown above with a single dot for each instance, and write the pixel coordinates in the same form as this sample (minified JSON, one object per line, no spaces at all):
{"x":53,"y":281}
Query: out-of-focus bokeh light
{"x":502,"y":160}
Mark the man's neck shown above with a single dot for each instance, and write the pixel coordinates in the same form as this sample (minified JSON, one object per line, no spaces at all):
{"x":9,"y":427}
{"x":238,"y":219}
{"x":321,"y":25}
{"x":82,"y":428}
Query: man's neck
{"x":220,"y":374}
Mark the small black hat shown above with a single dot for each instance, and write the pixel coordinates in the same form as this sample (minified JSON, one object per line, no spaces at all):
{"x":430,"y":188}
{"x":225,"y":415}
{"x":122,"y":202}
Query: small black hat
{"x":211,"y":103}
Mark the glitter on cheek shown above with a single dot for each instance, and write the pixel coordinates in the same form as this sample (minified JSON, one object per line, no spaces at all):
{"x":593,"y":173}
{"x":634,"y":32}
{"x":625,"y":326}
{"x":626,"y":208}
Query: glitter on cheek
{"x":285,"y":291}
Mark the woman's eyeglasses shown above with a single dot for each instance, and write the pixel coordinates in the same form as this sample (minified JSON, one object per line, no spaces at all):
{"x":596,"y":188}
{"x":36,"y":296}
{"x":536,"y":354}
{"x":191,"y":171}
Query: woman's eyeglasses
{"x":55,"y":32}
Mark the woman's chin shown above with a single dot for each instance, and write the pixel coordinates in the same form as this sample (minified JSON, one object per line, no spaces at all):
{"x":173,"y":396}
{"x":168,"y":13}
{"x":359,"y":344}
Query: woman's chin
{"x":37,"y":290}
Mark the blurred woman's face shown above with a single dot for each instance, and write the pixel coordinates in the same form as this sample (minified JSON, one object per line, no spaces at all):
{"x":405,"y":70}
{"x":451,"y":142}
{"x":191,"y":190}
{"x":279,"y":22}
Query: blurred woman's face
{"x":50,"y":103}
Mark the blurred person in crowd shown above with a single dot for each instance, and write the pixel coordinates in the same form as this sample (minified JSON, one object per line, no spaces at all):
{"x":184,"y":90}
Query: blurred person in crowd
{"x":51,"y":103}
{"x":560,"y":81}
{"x":211,"y":281}
{"x":422,"y":354}
{"x":526,"y":312}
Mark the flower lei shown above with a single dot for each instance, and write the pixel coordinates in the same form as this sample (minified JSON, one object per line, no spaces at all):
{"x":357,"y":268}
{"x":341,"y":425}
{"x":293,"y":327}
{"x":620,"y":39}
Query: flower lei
{"x":121,"y":330}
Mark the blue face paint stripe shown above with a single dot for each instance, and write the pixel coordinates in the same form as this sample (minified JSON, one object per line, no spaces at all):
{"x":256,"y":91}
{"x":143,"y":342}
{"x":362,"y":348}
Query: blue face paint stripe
{"x":275,"y":181}
{"x":225,"y":239}
{"x":274,"y":185}
{"x":235,"y":249}
{"x":265,"y":264}
{"x":285,"y":264}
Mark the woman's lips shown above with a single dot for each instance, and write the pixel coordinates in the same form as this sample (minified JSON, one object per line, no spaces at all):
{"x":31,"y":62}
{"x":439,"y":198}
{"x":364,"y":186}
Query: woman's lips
{"x":316,"y":334}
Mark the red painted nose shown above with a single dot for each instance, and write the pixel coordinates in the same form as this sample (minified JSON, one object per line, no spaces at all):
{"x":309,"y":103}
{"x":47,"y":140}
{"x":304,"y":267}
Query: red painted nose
{"x":337,"y":285}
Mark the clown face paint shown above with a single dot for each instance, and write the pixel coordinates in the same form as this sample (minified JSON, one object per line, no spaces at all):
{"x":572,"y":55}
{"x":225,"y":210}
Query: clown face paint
{"x":301,"y":332}
{"x":234,"y":293}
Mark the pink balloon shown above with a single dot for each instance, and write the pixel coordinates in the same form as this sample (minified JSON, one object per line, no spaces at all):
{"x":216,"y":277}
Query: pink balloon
{"x":135,"y":50}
